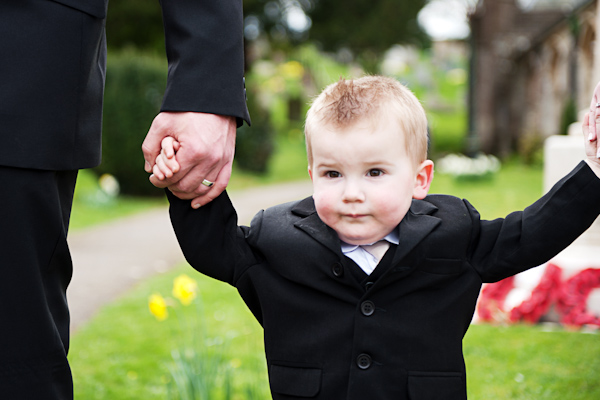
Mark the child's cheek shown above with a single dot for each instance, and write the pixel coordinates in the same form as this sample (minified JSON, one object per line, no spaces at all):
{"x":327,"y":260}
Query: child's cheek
{"x":392,"y":210}
{"x":324,"y":208}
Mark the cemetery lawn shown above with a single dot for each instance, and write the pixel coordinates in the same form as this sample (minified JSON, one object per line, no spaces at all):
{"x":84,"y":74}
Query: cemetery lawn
{"x":531,"y":362}
{"x":123,"y":353}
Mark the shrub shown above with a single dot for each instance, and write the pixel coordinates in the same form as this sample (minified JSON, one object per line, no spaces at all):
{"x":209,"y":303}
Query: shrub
{"x":135,"y":84}
{"x":254,"y":145}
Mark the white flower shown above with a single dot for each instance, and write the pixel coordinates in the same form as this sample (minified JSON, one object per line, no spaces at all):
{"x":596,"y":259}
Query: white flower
{"x":460,"y":165}
{"x":109,"y":185}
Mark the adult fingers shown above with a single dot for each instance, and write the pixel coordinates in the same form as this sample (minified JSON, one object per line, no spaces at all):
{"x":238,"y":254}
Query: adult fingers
{"x":197,"y":182}
{"x":592,"y":150}
{"x":594,"y":113}
{"x":217,"y":188}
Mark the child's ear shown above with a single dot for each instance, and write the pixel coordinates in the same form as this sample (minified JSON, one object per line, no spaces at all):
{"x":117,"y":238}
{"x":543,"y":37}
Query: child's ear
{"x":310,"y":173}
{"x":423,"y":179}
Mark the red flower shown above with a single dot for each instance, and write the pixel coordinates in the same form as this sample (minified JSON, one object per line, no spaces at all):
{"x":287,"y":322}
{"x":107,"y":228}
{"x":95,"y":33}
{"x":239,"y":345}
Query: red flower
{"x":574,"y":293}
{"x":491,"y":300}
{"x":542,"y":297}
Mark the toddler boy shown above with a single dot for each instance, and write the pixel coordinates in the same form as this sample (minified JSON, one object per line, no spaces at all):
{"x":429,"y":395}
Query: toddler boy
{"x":340,"y":320}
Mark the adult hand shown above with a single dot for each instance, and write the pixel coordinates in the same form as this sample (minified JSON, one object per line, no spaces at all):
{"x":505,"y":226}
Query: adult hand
{"x":594,"y":115}
{"x":592,"y":149}
{"x":206,"y":148}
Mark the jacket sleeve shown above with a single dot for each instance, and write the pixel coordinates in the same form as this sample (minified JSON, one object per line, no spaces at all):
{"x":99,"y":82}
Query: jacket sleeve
{"x":205,"y":51}
{"x":526,"y":239}
{"x":210,"y":239}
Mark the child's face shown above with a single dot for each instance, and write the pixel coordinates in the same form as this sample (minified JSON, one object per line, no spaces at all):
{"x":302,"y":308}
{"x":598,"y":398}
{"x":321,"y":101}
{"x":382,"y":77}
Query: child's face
{"x":363,"y":180}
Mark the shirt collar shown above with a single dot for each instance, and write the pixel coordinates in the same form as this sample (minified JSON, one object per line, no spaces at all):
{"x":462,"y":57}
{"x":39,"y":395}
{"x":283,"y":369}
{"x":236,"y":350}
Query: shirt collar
{"x":392,"y":237}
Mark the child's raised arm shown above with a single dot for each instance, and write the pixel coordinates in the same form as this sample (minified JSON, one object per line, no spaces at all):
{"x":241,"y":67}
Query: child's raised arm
{"x":166,"y":162}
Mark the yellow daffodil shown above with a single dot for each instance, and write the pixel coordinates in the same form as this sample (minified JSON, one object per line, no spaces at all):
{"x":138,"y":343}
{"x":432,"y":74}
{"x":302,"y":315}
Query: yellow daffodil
{"x":184,"y":289}
{"x":158,"y":307}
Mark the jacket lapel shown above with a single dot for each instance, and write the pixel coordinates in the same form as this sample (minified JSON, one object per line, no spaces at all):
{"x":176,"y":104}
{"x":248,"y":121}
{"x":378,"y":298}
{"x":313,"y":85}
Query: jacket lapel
{"x":415,"y":226}
{"x":313,"y":226}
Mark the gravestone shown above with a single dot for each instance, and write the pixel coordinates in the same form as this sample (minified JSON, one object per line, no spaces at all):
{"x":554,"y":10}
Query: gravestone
{"x":562,"y":154}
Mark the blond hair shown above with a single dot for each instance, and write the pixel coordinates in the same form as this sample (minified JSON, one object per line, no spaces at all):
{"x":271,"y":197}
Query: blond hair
{"x":369,"y":98}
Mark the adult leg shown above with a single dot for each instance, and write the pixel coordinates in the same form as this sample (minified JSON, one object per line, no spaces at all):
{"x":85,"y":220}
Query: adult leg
{"x":35,"y":269}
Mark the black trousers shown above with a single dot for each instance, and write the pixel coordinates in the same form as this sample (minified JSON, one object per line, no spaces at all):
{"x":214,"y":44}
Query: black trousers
{"x":35,"y":269}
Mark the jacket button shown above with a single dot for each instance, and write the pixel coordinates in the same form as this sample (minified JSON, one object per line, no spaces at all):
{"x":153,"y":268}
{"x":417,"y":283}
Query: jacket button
{"x":337,"y":269}
{"x":367,"y":308}
{"x":363,"y":361}
{"x":368,"y":285}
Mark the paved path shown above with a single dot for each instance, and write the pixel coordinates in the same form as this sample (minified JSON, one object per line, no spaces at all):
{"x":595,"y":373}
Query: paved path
{"x":111,"y":258}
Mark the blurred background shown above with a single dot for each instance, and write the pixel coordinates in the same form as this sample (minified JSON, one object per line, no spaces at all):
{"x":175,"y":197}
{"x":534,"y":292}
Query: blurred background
{"x":496,"y":78}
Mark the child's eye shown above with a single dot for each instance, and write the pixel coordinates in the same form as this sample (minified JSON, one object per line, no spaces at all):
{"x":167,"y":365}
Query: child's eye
{"x":375,"y":172}
{"x":332,"y":174}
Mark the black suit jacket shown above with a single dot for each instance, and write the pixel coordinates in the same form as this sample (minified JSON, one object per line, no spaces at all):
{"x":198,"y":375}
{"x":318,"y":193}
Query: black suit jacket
{"x":398,"y":333}
{"x":52,"y":68}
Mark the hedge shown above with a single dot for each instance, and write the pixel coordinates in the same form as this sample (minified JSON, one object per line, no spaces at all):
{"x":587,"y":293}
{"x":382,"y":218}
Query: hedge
{"x":134,"y":87}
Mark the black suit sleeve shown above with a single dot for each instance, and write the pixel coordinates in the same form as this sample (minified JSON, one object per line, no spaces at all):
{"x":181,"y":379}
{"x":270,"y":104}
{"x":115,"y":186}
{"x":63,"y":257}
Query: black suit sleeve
{"x":210,"y":238}
{"x":526,"y":239}
{"x":215,"y":246}
{"x":205,"y":50}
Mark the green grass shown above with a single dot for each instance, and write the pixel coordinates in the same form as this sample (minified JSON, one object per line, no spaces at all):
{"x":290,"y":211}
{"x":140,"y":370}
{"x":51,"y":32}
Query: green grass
{"x":123,"y":352}
{"x":447,"y":131}
{"x":527,"y":362}
{"x":91,"y":206}
{"x":513,"y":188}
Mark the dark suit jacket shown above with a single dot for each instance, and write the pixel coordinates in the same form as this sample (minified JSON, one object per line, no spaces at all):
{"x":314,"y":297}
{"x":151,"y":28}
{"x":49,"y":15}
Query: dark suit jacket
{"x":52,"y":68}
{"x":396,"y":334}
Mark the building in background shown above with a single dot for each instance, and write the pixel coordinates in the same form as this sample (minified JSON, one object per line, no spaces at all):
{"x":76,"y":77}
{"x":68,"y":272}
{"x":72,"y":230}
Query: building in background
{"x":532,"y":68}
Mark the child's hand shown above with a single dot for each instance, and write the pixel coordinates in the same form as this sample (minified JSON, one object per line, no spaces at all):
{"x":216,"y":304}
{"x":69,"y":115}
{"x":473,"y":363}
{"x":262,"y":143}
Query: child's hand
{"x":166,"y":164}
{"x":592,"y":150}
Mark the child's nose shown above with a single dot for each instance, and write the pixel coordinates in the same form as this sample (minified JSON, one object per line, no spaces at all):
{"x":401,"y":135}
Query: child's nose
{"x":353,"y":192}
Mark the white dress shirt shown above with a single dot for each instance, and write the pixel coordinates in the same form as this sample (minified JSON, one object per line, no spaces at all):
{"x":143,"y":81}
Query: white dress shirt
{"x":365,"y":260}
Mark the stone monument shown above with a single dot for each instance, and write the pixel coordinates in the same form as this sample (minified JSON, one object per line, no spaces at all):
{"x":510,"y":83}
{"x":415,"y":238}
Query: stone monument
{"x":561,"y":154}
